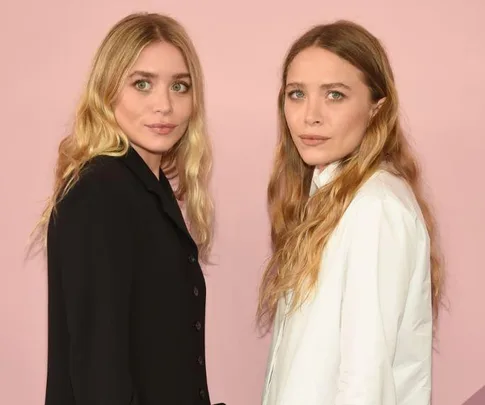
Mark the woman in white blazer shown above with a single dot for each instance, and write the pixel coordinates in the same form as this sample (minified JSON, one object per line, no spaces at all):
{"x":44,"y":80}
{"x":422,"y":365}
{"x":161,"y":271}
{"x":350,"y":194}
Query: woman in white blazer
{"x":353,"y":285}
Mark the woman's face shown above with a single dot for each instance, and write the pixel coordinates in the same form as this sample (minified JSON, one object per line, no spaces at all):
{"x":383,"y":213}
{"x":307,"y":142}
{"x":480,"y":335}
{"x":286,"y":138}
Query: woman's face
{"x":155,"y":103}
{"x":327,"y":106}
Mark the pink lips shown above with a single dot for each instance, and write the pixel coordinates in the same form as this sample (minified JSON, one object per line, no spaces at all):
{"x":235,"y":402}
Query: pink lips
{"x":313,"y":140}
{"x":162,"y":129}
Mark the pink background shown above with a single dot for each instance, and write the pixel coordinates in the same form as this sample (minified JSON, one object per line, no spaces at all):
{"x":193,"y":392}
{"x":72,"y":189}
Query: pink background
{"x":438,"y":55}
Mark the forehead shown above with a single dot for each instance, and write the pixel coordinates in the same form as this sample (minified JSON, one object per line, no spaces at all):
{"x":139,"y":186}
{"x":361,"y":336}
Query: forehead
{"x":317,"y":65}
{"x":161,"y":57}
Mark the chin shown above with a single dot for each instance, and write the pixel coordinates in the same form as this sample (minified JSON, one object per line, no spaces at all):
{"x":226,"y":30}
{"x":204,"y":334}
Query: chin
{"x":314,"y":159}
{"x":161,"y":146}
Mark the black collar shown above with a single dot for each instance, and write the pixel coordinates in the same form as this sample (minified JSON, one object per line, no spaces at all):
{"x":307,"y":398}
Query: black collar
{"x":161,"y":188}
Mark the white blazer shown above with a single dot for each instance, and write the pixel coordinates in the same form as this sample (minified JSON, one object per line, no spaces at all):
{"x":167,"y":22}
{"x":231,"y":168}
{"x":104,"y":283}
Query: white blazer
{"x":365,"y":336}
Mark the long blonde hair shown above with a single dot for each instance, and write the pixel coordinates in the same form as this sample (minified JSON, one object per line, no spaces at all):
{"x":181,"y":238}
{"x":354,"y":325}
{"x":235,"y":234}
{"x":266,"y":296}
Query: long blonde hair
{"x":96,"y":132}
{"x":300,"y":226}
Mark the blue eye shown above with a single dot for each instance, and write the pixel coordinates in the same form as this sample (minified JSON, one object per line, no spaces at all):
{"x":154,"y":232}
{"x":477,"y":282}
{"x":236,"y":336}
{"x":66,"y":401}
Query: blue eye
{"x":142,"y":85}
{"x":335,"y":95}
{"x":180,"y":87}
{"x":296,"y":94}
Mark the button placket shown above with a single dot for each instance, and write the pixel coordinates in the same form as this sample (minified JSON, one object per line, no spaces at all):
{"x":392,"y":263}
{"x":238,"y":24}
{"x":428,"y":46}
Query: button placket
{"x":279,"y":338}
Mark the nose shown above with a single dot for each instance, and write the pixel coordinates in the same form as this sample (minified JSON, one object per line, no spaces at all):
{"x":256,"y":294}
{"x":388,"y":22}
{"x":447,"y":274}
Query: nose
{"x":163,"y":103}
{"x":313,"y":112}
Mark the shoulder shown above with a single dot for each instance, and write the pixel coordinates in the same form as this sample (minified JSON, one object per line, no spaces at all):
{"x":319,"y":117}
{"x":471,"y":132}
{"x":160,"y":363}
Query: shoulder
{"x":387,"y":191}
{"x":385,"y":198}
{"x":103,"y":176}
{"x":101,"y":184}
{"x":104,"y":171}
{"x":95,"y":206}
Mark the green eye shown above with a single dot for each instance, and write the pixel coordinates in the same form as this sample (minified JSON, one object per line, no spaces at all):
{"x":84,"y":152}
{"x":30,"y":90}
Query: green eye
{"x":180,"y":87}
{"x":142,"y":85}
{"x":296,"y":94}
{"x":335,"y":95}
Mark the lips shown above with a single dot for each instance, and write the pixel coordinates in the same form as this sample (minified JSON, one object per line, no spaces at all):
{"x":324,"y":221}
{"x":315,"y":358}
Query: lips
{"x":162,"y":128}
{"x":313,"y":140}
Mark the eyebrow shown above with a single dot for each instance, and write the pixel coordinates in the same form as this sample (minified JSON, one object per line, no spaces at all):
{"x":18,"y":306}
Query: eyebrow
{"x":150,"y":75}
{"x":324,"y":86}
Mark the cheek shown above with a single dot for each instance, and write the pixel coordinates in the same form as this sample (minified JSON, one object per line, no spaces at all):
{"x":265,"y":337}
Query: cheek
{"x":353,"y":123}
{"x":291,"y":117}
{"x":186,"y":106}
{"x":127,"y":109}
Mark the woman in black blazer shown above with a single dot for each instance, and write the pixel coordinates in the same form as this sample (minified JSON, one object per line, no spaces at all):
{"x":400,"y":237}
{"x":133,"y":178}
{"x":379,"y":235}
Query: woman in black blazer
{"x":126,"y":291}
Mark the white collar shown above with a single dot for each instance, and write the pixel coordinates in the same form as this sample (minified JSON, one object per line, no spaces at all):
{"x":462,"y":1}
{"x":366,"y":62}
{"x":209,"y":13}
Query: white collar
{"x":323,"y":177}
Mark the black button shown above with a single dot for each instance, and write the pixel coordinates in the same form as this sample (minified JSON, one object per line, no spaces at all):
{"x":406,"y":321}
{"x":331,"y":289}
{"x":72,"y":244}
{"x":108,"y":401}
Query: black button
{"x":200,"y":360}
{"x":192,"y":259}
{"x":198,"y":325}
{"x":196,"y":291}
{"x":202,"y":393}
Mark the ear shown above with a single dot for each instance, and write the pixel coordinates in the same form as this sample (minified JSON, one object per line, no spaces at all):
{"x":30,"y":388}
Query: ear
{"x":376,"y":107}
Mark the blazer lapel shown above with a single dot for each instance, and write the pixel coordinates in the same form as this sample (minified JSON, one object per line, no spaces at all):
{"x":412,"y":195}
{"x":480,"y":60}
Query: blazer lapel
{"x":161,"y":188}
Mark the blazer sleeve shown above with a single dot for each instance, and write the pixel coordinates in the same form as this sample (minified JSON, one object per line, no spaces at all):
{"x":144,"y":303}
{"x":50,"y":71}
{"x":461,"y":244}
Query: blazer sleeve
{"x":96,"y":261}
{"x":380,"y":261}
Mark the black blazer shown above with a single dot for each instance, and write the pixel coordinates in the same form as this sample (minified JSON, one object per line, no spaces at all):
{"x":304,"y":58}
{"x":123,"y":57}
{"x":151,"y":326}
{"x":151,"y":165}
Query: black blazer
{"x":126,"y":293}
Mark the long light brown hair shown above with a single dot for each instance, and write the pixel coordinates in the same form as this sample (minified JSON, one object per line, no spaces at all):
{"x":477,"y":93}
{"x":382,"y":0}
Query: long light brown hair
{"x":301,"y":226}
{"x":95,"y":131}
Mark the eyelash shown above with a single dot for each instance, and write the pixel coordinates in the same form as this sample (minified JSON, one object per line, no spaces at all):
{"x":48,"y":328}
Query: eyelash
{"x":137,"y":82}
{"x":341,"y":96}
{"x":187,"y":86}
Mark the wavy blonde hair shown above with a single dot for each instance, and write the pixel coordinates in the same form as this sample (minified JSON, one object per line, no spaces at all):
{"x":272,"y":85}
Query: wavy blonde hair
{"x":300,"y":226}
{"x":96,"y":132}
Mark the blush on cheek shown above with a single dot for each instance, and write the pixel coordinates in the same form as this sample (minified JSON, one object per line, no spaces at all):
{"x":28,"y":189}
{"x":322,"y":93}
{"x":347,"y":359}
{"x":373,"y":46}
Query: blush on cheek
{"x":351,"y":142}
{"x":127,"y":113}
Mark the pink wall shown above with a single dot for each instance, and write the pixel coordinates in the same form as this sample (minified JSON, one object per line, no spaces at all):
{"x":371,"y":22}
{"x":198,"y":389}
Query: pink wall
{"x":438,"y":55}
